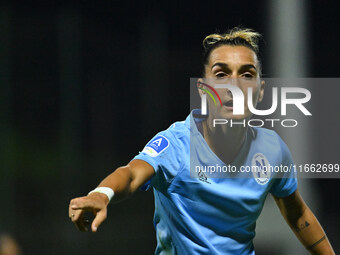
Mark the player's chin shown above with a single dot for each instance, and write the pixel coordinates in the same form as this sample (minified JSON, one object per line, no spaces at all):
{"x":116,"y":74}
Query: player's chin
{"x":228,"y":115}
{"x":242,"y":117}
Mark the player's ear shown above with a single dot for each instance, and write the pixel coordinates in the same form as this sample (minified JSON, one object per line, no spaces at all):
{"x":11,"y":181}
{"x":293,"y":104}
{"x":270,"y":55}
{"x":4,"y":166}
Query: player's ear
{"x":200,"y":86}
{"x":261,"y":93}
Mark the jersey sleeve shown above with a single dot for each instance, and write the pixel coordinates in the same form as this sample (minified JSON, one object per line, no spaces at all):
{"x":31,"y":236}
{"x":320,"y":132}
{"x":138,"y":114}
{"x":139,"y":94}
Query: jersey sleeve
{"x":164,"y":154}
{"x":286,"y":184}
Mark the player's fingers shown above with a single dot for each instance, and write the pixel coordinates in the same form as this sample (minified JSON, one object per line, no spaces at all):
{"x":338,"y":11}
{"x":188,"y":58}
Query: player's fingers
{"x":82,"y":203}
{"x":76,"y":215}
{"x":71,"y":212}
{"x":100,"y":217}
{"x":79,"y":221}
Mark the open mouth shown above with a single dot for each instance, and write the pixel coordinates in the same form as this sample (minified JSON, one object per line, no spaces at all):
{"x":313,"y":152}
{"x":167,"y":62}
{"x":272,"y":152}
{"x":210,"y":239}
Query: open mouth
{"x":230,"y":103}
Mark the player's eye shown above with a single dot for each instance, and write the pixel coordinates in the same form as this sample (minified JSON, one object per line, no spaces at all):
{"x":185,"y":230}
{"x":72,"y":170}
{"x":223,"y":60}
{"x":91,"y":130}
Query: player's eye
{"x":248,"y":76}
{"x":220,"y":75}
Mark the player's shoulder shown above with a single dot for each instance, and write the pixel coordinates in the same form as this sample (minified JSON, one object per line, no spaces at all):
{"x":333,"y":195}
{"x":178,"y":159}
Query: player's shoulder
{"x":175,"y":135}
{"x":177,"y":130}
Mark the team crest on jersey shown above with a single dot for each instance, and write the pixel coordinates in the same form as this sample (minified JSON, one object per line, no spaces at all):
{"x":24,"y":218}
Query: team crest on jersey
{"x":156,"y":146}
{"x":261,"y":170}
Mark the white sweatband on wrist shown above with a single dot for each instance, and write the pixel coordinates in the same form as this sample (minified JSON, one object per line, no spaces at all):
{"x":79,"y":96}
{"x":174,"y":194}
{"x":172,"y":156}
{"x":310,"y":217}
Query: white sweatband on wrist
{"x":104,"y":190}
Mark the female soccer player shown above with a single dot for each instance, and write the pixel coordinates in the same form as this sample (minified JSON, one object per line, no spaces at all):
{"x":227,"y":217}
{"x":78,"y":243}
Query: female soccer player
{"x":211,"y":215}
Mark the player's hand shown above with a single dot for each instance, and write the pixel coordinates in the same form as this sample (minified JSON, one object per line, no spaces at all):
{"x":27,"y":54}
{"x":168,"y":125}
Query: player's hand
{"x":95,"y":203}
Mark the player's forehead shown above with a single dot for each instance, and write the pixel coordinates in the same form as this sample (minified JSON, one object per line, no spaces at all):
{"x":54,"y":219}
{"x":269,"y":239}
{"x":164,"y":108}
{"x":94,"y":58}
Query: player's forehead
{"x":232,"y":55}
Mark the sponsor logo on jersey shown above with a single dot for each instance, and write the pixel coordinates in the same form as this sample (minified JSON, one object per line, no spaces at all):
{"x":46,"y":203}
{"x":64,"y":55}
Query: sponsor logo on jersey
{"x":261,"y":167}
{"x":156,"y":146}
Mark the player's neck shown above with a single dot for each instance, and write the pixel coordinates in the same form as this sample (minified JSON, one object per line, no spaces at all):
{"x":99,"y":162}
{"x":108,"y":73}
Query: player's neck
{"x":224,"y":141}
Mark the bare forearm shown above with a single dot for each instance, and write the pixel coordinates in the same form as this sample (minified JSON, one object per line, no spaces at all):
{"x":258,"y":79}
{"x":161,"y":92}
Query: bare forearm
{"x":304,"y":224}
{"x":127,"y":179}
{"x":310,"y":233}
{"x":120,"y":181}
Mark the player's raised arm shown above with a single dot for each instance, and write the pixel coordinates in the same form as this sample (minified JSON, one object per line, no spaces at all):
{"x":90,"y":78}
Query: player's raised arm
{"x":304,"y":224}
{"x":123,"y":182}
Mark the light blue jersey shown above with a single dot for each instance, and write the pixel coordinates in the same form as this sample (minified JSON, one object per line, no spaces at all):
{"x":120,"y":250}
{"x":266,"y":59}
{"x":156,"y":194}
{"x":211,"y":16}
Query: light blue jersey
{"x":211,"y":215}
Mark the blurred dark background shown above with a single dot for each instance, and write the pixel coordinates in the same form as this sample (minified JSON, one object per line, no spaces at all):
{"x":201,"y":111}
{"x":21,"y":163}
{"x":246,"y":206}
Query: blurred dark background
{"x":84,"y":85}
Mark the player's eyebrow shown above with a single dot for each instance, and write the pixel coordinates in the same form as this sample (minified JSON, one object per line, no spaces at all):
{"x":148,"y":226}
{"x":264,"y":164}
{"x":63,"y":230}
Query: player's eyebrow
{"x":225,"y":66}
